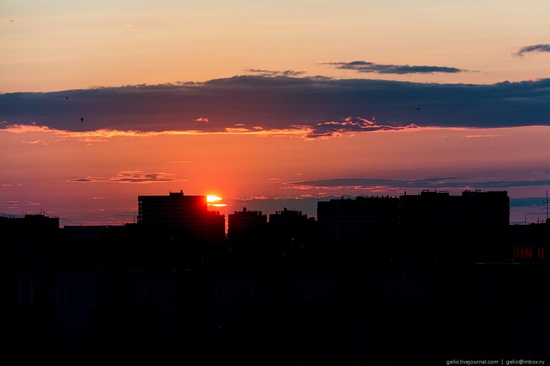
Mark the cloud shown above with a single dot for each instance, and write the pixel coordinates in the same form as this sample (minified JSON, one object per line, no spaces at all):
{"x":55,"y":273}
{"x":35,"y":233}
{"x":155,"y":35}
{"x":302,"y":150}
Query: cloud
{"x":478,"y":136}
{"x":34,"y":142}
{"x":533,"y":48}
{"x":135,"y":176}
{"x":16,"y":204}
{"x":371,"y":67}
{"x":349,"y":124}
{"x":528,"y":202}
{"x":309,"y":107}
{"x":417,"y":184}
{"x":271,"y":73}
{"x":180,"y":162}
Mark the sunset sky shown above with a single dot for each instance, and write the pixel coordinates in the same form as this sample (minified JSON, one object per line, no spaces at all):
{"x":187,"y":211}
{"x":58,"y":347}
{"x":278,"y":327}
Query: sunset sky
{"x":270,"y":104}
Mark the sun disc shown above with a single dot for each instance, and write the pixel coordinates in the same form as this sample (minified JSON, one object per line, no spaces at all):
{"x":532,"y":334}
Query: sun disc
{"x":212,"y":198}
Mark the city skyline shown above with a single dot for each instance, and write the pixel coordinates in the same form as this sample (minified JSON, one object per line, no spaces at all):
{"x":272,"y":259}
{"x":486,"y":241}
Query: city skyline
{"x":270,"y":104}
{"x":357,"y":283}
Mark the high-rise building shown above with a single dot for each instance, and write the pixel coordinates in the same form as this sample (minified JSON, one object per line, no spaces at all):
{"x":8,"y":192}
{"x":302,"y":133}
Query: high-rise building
{"x":359,"y":222}
{"x":438,"y":225}
{"x":439,"y":210}
{"x":185,"y":213}
{"x":175,"y":210}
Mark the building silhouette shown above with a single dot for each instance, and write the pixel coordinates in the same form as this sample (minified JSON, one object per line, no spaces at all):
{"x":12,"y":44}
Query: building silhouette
{"x":290,"y":233}
{"x":245,"y":228}
{"x":368,"y":224}
{"x":435,"y":225}
{"x":189,"y":215}
{"x":29,"y":228}
{"x":288,"y":224}
{"x":352,"y":287}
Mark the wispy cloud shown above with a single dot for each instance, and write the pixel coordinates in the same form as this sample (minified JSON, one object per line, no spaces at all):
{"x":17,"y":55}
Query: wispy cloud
{"x":17,"y":204}
{"x":417,"y":184}
{"x":478,"y":136}
{"x":271,"y":73}
{"x":371,"y":67}
{"x":135,"y":176}
{"x":350,"y":124}
{"x":306,"y":107}
{"x":528,"y":202}
{"x":34,"y":142}
{"x":536,"y":48}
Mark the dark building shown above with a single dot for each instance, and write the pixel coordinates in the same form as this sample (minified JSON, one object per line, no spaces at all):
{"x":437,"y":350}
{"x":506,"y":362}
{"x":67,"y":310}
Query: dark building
{"x":245,"y":228}
{"x":519,"y":289}
{"x":280,"y":242}
{"x":290,"y":227}
{"x":241,"y":223}
{"x":131,"y":293}
{"x":362,"y":223}
{"x":188,"y":215}
{"x":529,"y":242}
{"x":97,"y":246}
{"x":486,"y":209}
{"x":176,"y":209}
{"x":27,"y":242}
{"x":287,"y":221}
{"x":30,"y":226}
{"x":439,"y":226}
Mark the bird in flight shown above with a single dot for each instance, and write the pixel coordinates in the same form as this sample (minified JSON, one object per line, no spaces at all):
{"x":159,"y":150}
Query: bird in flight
{"x":81,"y":119}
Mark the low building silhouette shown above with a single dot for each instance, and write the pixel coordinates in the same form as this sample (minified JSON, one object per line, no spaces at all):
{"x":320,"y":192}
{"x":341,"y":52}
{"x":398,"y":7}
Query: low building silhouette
{"x":529,"y":242}
{"x":245,"y":228}
{"x":290,"y":233}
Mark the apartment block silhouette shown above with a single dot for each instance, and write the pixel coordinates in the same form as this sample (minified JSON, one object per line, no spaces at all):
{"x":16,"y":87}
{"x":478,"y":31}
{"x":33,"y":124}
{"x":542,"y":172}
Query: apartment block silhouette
{"x":187,"y":214}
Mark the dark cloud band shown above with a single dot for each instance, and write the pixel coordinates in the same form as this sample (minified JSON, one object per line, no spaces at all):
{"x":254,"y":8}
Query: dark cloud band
{"x":533,"y":48}
{"x":319,"y":105}
{"x":371,"y":67}
{"x":429,"y":183}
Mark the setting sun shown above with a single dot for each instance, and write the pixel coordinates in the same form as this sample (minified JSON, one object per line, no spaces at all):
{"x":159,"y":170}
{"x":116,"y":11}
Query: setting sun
{"x":211,"y":198}
{"x":215,"y":201}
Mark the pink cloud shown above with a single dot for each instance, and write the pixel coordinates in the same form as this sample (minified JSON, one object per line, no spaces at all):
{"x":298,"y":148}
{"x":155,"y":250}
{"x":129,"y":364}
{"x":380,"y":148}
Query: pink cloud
{"x":129,"y":177}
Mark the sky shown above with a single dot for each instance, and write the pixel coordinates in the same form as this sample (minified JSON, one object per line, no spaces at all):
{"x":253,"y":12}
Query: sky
{"x":270,"y":104}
